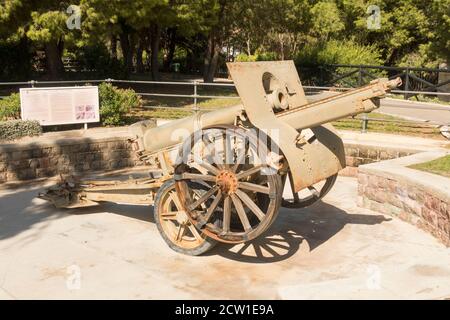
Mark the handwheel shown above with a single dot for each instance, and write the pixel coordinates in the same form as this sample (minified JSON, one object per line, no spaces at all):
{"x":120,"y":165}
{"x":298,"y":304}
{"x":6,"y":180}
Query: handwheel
{"x":309,"y":195}
{"x":174,"y":225}
{"x":244,"y":188}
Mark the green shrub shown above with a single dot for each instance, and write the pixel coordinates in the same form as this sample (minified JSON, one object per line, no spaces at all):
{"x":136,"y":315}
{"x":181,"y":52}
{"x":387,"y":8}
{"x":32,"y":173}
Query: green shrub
{"x":242,"y":57}
{"x":15,"y":129}
{"x":340,"y":52}
{"x":115,"y":103}
{"x":259,"y":56}
{"x":10,"y":107}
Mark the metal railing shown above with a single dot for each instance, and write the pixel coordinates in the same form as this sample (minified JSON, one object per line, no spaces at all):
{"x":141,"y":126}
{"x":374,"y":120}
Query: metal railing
{"x":195,"y":96}
{"x":415,"y":80}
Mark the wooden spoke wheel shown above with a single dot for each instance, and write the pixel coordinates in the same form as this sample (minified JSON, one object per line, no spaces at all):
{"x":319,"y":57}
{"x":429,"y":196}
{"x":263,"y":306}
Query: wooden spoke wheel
{"x":244,"y":188}
{"x":309,"y":195}
{"x":173,"y":222}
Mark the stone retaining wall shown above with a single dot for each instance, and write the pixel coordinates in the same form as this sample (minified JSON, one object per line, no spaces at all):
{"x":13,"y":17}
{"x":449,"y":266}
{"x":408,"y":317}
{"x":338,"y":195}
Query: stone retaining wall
{"x":420,"y":198}
{"x":360,"y":154}
{"x":69,"y":156}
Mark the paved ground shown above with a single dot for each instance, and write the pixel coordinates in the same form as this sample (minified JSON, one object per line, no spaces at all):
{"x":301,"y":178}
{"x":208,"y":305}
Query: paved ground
{"x":332,"y":250}
{"x":434,"y":113}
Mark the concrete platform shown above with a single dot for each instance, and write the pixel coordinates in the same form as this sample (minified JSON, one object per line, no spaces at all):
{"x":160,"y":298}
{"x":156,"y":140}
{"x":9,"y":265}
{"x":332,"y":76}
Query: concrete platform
{"x":332,"y":250}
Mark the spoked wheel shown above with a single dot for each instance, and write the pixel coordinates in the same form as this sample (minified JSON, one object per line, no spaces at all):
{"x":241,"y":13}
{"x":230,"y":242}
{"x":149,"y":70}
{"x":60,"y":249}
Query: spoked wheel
{"x":174,"y":225}
{"x":244,"y":189}
{"x":309,"y":195}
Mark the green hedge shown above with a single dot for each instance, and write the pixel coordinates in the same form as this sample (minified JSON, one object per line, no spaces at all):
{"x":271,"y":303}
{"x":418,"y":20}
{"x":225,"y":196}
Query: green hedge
{"x":116,"y":103}
{"x":10,"y":107}
{"x":15,"y":129}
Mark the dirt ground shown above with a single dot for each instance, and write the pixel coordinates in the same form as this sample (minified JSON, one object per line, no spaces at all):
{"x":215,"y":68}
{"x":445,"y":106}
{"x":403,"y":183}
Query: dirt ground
{"x":332,"y":250}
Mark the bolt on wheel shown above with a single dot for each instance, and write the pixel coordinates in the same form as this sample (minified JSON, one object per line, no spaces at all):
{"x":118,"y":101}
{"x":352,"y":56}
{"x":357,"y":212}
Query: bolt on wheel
{"x":173,"y":222}
{"x":244,"y":188}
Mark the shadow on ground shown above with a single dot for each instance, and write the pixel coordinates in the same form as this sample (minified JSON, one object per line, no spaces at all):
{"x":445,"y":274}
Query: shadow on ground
{"x":19,"y":213}
{"x":315,"y":225}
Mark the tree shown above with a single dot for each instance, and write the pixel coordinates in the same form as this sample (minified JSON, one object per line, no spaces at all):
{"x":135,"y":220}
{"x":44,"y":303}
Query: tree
{"x":49,"y":30}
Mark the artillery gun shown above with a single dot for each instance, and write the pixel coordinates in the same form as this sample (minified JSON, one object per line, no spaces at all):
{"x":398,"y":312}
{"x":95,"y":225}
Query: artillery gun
{"x":219,"y":176}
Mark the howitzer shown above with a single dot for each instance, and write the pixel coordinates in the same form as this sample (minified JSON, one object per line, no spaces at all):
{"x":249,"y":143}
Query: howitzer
{"x":220,"y":176}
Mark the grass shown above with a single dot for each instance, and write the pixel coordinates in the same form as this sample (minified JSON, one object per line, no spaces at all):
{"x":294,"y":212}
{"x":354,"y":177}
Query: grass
{"x":393,"y":125}
{"x":439,"y":166}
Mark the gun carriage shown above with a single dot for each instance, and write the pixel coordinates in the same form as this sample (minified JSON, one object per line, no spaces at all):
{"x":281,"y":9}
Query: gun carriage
{"x":219,"y":176}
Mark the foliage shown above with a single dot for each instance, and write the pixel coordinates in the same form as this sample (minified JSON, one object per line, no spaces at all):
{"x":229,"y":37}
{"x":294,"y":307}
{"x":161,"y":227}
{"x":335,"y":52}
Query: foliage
{"x":15,"y":129}
{"x":338,"y":52}
{"x":47,"y":26}
{"x":439,"y":166}
{"x":129,"y":36}
{"x":115,"y":103}
{"x":264,"y":56}
{"x":10,"y":107}
{"x":96,"y":57}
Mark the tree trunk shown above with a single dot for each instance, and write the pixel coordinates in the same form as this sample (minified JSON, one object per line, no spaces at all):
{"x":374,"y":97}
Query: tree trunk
{"x":55,"y":66}
{"x":172,"y":33}
{"x":113,"y":47}
{"x":213,"y":66}
{"x":127,"y":51}
{"x":249,"y":50}
{"x":280,"y":37}
{"x":214,"y":46}
{"x":155,"y":41}
{"x":140,"y":50}
{"x":208,"y":58}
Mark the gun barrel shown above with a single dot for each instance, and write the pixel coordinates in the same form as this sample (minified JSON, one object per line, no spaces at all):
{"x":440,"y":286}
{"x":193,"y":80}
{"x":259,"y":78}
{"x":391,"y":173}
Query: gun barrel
{"x":350,"y":103}
{"x":346,"y":104}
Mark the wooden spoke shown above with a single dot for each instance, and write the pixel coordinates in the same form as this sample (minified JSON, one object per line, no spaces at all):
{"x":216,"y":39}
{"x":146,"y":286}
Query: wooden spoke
{"x":195,"y":176}
{"x":213,"y":206}
{"x":250,"y":204}
{"x":204,"y":197}
{"x":213,"y":159}
{"x":241,"y":213}
{"x":195,"y":232}
{"x":254,"y":187}
{"x":181,"y":232}
{"x":226,"y":214}
{"x":172,"y":215}
{"x":174,"y":197}
{"x":207,"y":166}
{"x":249,"y":172}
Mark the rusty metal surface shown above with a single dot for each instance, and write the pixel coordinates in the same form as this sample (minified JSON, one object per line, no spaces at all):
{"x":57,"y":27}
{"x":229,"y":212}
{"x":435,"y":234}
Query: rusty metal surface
{"x":72,"y":192}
